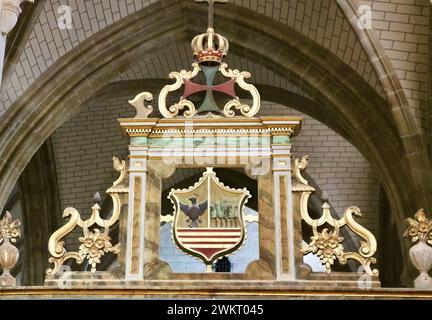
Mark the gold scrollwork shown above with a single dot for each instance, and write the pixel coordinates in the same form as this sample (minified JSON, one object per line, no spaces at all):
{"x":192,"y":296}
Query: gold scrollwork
{"x":326,"y":240}
{"x":301,"y":165}
{"x":236,"y":104}
{"x":94,"y":243}
{"x":326,"y":245}
{"x":239,"y":78}
{"x":173,"y":110}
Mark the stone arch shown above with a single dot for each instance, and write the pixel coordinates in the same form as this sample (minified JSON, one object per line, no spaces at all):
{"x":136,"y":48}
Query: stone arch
{"x":412,"y":137}
{"x":386,"y":73}
{"x":353,"y":108}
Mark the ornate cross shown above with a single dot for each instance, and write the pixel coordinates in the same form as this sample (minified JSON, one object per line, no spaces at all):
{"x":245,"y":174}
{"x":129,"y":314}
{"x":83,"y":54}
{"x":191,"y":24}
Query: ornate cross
{"x":211,"y":9}
{"x":209,"y":104}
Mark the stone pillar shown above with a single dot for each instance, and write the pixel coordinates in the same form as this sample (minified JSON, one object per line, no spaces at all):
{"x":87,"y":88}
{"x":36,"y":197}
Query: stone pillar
{"x":9,"y":13}
{"x":136,"y":213}
{"x":41,"y":212}
{"x":284,"y":221}
{"x":154,"y":268}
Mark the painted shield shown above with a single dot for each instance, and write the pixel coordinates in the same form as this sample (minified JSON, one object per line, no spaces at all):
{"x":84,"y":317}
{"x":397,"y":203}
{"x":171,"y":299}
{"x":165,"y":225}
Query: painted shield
{"x":209,"y":218}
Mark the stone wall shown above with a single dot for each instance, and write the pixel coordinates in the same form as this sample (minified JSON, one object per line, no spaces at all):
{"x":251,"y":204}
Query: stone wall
{"x":84,"y":147}
{"x":403,"y":28}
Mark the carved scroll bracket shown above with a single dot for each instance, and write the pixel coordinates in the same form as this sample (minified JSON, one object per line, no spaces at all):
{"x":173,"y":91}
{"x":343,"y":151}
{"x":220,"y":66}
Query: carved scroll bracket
{"x":239,"y":78}
{"x":142,"y":112}
{"x":174,"y":110}
{"x":94,"y":243}
{"x":328,"y":245}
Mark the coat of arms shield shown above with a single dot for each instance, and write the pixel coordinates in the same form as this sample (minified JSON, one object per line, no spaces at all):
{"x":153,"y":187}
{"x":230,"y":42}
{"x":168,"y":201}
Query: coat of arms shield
{"x":209,"y":218}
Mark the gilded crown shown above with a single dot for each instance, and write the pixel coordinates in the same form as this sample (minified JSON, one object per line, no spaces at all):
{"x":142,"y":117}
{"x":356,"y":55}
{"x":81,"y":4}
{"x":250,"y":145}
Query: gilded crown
{"x":210,"y":47}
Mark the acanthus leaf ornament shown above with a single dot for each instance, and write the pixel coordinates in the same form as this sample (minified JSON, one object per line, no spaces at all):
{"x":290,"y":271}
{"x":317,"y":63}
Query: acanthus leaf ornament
{"x":9,"y":228}
{"x":419,"y":228}
{"x":94,"y":245}
{"x":326,"y":245}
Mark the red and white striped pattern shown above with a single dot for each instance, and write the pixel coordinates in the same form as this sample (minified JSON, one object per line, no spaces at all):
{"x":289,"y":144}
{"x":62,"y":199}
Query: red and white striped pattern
{"x":209,"y":242}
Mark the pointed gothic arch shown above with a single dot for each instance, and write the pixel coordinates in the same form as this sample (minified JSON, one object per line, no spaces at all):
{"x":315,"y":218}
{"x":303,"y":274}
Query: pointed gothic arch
{"x":359,"y":113}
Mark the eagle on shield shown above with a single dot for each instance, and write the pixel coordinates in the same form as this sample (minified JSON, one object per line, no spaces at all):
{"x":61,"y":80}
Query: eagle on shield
{"x":209,"y":218}
{"x":194,"y":211}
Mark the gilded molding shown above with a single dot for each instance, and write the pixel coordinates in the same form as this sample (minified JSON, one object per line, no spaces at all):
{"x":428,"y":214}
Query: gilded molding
{"x":263,"y":126}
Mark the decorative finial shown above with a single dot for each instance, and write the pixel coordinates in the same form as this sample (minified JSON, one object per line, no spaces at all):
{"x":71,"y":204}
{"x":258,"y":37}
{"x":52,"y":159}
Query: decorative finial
{"x":325,"y":197}
{"x":419,"y":228}
{"x":9,"y":228}
{"x":97,"y":198}
{"x":210,"y":47}
{"x":209,"y":50}
{"x":420,"y":232}
{"x":211,"y":9}
{"x":9,"y":254}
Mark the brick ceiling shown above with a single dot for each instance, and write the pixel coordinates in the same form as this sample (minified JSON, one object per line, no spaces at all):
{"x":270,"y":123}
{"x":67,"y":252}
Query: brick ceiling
{"x":179,"y":57}
{"x":320,"y":20}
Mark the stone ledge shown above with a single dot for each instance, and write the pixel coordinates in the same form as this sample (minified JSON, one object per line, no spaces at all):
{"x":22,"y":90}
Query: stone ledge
{"x":264,"y":292}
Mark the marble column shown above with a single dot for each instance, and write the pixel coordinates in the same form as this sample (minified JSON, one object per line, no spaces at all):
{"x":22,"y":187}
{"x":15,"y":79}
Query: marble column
{"x":284,"y":221}
{"x":9,"y":13}
{"x":136,"y":213}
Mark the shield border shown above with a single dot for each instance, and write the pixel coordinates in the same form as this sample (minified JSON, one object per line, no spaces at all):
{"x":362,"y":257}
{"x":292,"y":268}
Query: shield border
{"x":212,"y":175}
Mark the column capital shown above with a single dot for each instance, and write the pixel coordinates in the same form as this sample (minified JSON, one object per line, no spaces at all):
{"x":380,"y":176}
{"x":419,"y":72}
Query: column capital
{"x":9,"y":13}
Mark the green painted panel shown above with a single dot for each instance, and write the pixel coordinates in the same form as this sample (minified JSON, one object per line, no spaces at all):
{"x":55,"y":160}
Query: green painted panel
{"x":281,"y":140}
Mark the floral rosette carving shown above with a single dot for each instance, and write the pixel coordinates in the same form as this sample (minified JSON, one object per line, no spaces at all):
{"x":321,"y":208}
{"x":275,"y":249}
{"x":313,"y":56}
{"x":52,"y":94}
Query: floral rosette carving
{"x":94,"y":245}
{"x":419,"y":228}
{"x":327,"y":246}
